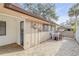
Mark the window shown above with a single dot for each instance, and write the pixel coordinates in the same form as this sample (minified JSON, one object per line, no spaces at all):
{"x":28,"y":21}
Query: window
{"x":2,"y":28}
{"x":45,"y":27}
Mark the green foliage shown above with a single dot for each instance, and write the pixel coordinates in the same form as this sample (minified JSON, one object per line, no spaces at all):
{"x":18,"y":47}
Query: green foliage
{"x":74,"y":27}
{"x":74,"y":10}
{"x":46,"y":10}
{"x":71,"y":12}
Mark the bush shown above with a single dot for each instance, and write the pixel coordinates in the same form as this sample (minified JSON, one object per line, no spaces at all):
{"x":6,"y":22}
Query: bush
{"x":74,"y":27}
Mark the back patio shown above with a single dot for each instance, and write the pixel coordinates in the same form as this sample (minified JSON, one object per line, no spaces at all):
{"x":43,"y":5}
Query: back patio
{"x":65,"y":47}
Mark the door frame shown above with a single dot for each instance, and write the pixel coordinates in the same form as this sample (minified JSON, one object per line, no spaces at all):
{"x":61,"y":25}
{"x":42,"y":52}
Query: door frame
{"x":22,"y":33}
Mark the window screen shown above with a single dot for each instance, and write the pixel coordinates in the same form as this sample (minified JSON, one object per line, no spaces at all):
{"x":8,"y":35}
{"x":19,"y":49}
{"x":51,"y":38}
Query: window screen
{"x":2,"y":28}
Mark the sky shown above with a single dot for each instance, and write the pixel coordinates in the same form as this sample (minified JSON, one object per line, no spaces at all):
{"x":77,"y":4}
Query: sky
{"x":62,"y":11}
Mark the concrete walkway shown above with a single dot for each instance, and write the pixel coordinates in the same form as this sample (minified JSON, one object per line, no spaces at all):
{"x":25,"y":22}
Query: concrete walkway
{"x":65,"y":47}
{"x":69,"y":47}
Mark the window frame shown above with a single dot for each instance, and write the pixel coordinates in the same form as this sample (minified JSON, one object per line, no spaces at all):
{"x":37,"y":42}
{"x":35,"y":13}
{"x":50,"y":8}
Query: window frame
{"x":5,"y":29}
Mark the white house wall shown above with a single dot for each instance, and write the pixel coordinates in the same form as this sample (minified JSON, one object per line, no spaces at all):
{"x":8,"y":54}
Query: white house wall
{"x":12,"y":30}
{"x":77,"y":32}
{"x":31,"y":37}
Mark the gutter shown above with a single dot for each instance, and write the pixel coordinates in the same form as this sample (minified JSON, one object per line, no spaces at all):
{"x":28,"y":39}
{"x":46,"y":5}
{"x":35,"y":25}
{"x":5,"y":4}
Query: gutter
{"x":20,"y":10}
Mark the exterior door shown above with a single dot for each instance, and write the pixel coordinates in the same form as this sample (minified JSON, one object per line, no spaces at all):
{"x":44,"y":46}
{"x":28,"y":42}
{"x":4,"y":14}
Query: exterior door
{"x":22,"y":33}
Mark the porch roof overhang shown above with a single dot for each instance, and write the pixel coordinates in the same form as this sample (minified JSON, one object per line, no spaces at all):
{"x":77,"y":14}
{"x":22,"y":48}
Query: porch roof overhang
{"x":20,"y":10}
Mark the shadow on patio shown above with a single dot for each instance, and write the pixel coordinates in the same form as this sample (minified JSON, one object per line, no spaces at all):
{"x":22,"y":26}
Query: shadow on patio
{"x":10,"y":48}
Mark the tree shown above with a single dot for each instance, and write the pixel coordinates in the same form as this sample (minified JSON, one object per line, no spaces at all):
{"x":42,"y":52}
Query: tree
{"x":45,"y":10}
{"x":71,"y":12}
{"x":74,"y":11}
